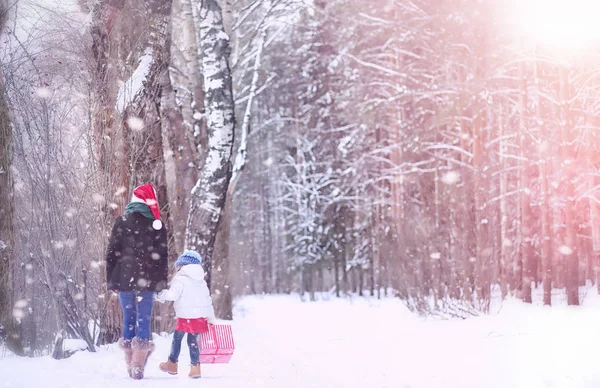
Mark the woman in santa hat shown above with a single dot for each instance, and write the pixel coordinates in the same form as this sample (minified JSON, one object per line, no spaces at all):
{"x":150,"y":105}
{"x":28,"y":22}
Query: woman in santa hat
{"x":137,"y":268}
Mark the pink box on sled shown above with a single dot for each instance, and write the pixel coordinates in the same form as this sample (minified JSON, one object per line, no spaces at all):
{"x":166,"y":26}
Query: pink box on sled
{"x":216,"y":345}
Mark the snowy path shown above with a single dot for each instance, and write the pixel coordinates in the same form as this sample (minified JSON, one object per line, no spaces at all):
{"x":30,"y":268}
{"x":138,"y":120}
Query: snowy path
{"x":283,"y":343}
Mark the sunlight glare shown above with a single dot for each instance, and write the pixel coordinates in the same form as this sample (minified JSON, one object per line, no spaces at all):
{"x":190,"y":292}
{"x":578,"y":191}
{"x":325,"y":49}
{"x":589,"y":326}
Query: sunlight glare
{"x":564,"y":24}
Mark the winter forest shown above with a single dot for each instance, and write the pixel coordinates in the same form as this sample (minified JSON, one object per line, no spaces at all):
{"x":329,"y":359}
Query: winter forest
{"x":438,"y":153}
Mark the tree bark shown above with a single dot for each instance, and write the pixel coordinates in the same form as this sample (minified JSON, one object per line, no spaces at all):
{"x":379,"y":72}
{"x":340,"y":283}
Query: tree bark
{"x":106,"y":161}
{"x":183,"y":128}
{"x":526,"y":221}
{"x":7,"y":240}
{"x":220,"y":280}
{"x":483,"y":249}
{"x":547,"y":250}
{"x":505,"y":242}
{"x":210,"y":192}
{"x":221,"y":287}
{"x":569,"y":248}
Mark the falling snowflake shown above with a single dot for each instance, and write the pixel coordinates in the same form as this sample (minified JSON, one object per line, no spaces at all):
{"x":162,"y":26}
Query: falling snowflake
{"x":21,"y":304}
{"x":135,"y":123}
{"x":435,"y":255}
{"x":451,"y":177}
{"x":120,"y":191}
{"x":565,"y":250}
{"x":18,"y":313}
{"x":43,"y":93}
{"x":97,"y":198}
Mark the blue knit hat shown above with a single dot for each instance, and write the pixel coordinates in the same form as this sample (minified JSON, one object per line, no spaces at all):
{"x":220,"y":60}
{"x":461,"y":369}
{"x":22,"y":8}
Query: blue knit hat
{"x":188,"y":257}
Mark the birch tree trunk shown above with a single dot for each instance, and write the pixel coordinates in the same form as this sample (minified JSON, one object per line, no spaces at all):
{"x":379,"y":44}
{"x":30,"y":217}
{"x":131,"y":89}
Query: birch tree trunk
{"x":221,"y":280}
{"x":210,"y":192}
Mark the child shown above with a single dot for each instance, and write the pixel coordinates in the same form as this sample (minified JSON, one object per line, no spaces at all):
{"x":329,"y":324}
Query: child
{"x":193,"y":307}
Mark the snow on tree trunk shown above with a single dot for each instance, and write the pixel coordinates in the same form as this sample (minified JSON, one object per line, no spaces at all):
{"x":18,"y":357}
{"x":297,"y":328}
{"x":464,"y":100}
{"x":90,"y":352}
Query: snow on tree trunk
{"x":140,"y":101}
{"x":209,"y":193}
{"x":149,"y":104}
{"x":221,"y":284}
{"x":241,"y":157}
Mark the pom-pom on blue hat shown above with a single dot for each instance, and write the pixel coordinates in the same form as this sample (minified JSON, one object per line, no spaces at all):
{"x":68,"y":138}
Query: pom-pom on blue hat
{"x":188,"y":257}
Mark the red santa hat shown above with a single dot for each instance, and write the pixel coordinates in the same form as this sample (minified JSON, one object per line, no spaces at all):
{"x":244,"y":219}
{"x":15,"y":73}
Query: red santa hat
{"x":146,"y":194}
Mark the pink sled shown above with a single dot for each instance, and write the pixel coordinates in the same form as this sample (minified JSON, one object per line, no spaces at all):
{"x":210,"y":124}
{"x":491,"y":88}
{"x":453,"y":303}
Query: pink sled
{"x":216,"y":346}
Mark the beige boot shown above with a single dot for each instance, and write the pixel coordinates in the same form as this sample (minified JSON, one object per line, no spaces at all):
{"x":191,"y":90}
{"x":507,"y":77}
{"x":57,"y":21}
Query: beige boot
{"x":195,"y":371}
{"x":142,"y":349}
{"x":168,"y":367}
{"x":125,"y":345}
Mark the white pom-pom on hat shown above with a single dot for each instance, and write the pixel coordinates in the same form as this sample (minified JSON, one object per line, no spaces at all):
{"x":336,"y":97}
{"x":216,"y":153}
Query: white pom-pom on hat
{"x":157,"y":224}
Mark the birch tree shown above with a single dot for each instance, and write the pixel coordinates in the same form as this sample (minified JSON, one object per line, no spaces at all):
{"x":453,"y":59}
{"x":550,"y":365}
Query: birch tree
{"x":210,"y":191}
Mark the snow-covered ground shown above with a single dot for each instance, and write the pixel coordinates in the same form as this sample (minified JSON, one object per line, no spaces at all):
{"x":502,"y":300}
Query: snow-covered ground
{"x":284,"y":343}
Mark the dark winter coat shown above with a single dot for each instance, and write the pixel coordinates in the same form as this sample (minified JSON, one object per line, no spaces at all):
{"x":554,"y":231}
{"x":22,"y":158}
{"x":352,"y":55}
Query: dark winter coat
{"x":137,"y":255}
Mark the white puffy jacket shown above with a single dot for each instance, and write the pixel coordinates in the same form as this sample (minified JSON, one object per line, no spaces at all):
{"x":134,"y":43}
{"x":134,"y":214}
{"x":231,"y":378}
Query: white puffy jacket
{"x":190,"y":293}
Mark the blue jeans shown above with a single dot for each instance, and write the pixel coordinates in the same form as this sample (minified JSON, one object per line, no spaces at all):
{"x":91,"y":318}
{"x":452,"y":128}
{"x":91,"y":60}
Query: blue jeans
{"x":137,"y":309}
{"x":192,"y":340}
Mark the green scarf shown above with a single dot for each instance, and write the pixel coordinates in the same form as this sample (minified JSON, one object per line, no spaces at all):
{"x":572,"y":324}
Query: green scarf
{"x":141,"y":208}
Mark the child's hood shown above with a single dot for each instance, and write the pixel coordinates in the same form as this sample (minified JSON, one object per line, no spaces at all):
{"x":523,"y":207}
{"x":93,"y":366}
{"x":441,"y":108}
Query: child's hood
{"x":193,"y":271}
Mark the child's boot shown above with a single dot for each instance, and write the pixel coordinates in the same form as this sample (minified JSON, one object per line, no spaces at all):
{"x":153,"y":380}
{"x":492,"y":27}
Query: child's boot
{"x":168,"y":367}
{"x":195,"y":371}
